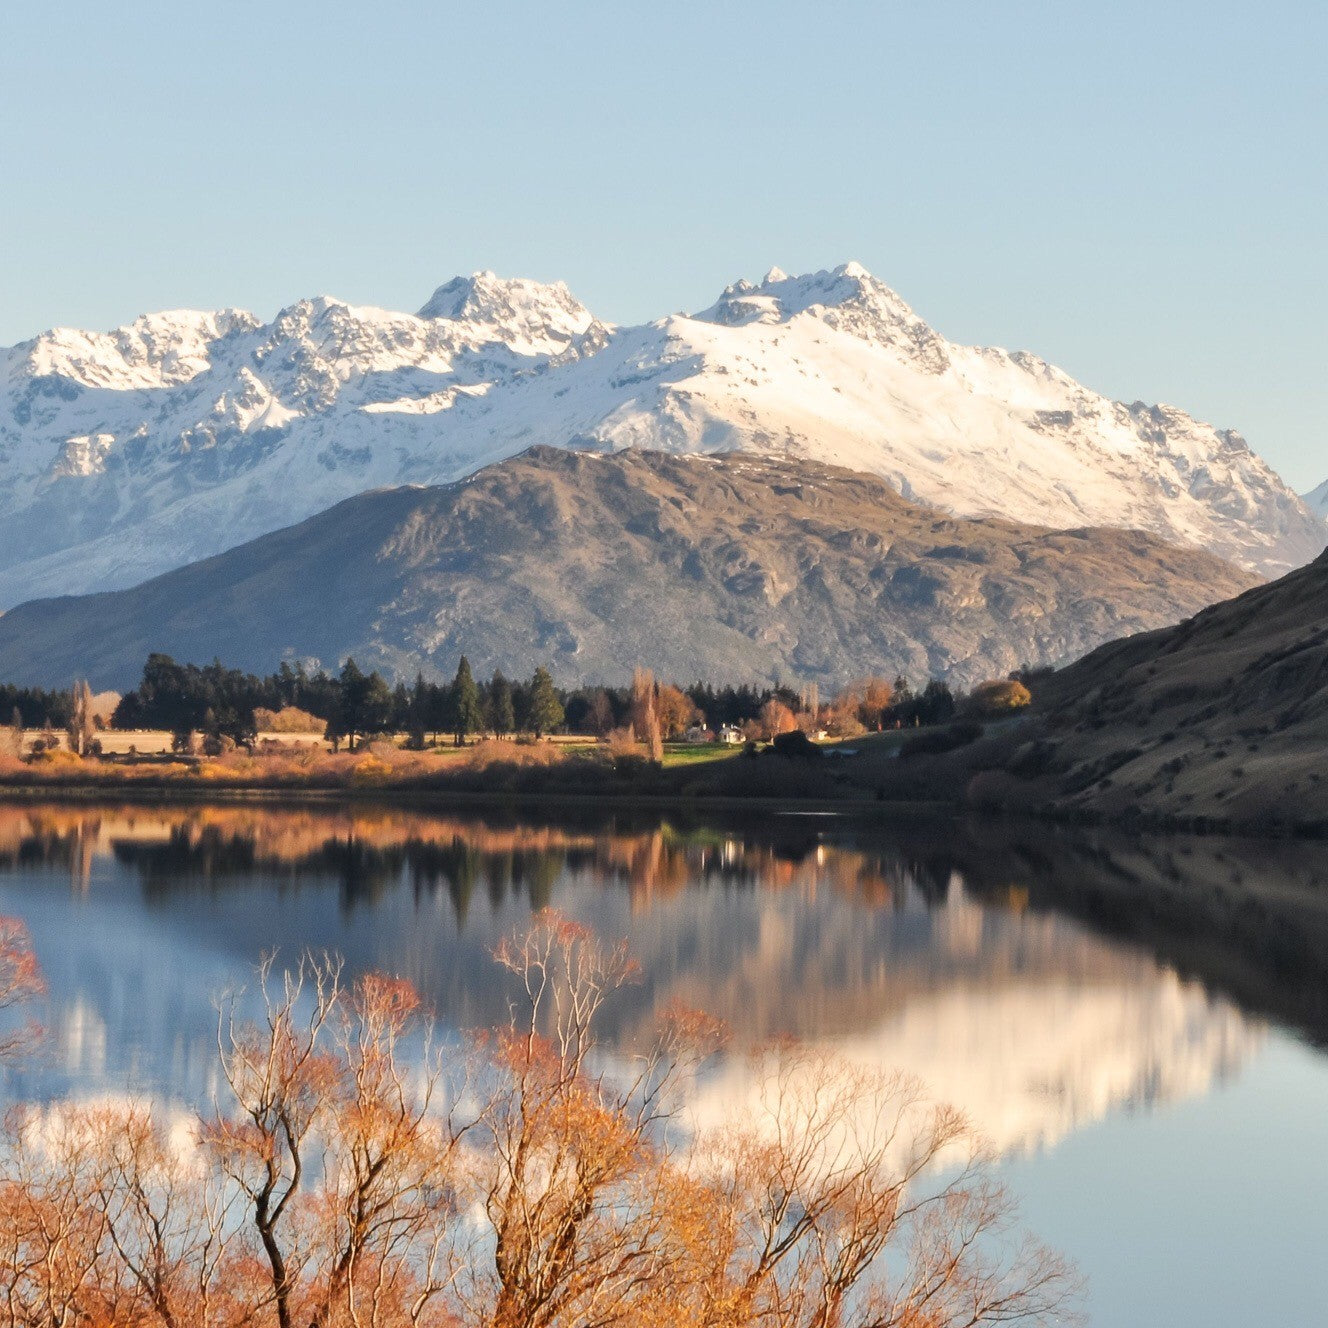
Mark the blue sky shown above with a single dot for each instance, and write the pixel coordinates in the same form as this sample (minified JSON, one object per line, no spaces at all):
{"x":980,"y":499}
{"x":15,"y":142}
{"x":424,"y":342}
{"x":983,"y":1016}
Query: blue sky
{"x":1136,"y":191}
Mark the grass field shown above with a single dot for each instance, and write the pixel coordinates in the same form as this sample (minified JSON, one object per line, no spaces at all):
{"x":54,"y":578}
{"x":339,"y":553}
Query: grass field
{"x":154,"y":742}
{"x":117,"y":742}
{"x":695,"y":753}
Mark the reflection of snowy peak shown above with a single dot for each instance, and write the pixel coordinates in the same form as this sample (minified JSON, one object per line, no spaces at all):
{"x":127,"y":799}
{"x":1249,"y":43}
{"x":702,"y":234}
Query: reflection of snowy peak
{"x":1034,"y":1059}
{"x":1032,"y":1024}
{"x":1034,"y":1027}
{"x":125,"y":453}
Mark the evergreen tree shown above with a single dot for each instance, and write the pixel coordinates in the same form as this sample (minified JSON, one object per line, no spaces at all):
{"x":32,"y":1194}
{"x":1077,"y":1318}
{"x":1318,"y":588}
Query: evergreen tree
{"x":467,"y":717}
{"x":544,"y":712}
{"x":365,"y":708}
{"x":417,"y":713}
{"x":437,"y":708}
{"x":937,"y":703}
{"x":399,"y":720}
{"x":502,"y":711}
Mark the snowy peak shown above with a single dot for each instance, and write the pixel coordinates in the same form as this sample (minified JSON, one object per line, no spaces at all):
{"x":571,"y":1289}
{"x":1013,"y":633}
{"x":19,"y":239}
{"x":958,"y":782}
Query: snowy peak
{"x":816,"y":292}
{"x":846,"y":298}
{"x":1317,"y":501}
{"x":155,"y":350}
{"x":124,"y":454}
{"x":519,"y":310}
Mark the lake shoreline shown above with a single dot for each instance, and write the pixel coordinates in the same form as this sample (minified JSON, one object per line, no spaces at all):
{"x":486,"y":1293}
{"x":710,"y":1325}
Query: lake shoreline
{"x":417,"y":798}
{"x":1137,"y":820}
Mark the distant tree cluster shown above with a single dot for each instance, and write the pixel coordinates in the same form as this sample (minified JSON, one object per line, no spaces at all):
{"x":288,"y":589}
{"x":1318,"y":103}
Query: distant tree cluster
{"x":185,"y":699}
{"x":33,"y":707}
{"x":217,"y":704}
{"x":874,"y":704}
{"x":600,"y":710}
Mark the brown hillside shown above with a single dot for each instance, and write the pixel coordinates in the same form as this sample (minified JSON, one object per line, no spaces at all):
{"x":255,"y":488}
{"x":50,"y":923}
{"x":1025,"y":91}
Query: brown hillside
{"x":730,"y":567}
{"x":1223,"y":718}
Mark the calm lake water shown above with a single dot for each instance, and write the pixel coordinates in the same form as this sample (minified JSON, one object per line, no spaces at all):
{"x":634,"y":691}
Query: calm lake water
{"x":1135,"y":1025}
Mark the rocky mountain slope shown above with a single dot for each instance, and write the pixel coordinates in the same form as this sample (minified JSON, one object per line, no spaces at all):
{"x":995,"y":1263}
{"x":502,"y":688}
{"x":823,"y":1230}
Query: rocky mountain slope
{"x":732,"y":567}
{"x":1222,"y":719}
{"x":127,"y":453}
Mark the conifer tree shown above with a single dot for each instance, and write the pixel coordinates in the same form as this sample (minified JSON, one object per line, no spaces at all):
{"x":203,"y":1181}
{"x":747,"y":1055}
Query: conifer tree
{"x":544,"y":712}
{"x":365,"y":705}
{"x":417,"y":712}
{"x":502,"y":712}
{"x":467,"y":717}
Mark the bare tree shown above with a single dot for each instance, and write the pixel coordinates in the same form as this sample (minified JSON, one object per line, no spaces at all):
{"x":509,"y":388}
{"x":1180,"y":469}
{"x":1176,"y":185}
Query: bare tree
{"x":776,"y":718}
{"x":167,"y":1219}
{"x":345,"y":1188}
{"x":346,"y":1079}
{"x":20,"y":980}
{"x":281,"y":1081}
{"x":809,"y":708}
{"x":52,"y":1270}
{"x":579,"y":1192}
{"x":82,"y":726}
{"x":599,"y":713}
{"x":392,"y":1167}
{"x":11,"y":739}
{"x":645,"y":718}
{"x":826,"y":1215}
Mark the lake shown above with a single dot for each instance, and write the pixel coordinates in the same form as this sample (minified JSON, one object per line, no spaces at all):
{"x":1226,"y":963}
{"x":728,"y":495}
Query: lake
{"x":1138,"y":1026}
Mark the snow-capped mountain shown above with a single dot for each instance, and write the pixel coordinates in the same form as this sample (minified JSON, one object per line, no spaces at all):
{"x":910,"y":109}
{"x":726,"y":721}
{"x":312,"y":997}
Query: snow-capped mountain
{"x":127,"y":453}
{"x":1318,"y":500}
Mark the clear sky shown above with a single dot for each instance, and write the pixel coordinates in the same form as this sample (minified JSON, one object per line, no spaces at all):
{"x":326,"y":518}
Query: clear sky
{"x":1136,"y":191}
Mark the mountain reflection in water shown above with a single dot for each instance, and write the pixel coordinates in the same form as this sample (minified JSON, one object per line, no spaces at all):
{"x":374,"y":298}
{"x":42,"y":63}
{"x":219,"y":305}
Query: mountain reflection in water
{"x":958,"y":955}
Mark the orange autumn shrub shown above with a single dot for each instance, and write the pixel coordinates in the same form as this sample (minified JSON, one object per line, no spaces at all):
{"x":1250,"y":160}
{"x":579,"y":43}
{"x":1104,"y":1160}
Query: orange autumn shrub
{"x":365,"y":1174}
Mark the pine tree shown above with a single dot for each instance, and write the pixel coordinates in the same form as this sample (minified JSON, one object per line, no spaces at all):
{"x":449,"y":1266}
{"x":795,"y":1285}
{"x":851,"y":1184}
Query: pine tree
{"x":417,"y":713}
{"x":502,"y":713}
{"x":467,"y":716}
{"x":544,"y":712}
{"x":346,"y":723}
{"x":365,"y":705}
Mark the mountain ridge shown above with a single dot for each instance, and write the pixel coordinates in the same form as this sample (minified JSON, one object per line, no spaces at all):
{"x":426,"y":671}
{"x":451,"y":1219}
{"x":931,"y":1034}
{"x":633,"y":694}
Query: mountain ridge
{"x":123,"y":454}
{"x":734,"y":567}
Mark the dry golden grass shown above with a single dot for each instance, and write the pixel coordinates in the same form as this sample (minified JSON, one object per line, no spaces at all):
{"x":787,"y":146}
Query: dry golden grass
{"x":492,"y":750}
{"x":291,"y":764}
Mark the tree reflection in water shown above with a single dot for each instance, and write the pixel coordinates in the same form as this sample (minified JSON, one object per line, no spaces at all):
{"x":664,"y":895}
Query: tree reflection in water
{"x":1033,"y":971}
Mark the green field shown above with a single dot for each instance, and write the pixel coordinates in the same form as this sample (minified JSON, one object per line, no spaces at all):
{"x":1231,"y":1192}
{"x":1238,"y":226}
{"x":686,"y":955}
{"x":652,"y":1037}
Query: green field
{"x":696,"y":753}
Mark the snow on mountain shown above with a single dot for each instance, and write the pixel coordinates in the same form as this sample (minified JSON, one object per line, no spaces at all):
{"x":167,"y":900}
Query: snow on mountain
{"x":1318,"y":500}
{"x":127,"y":453}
